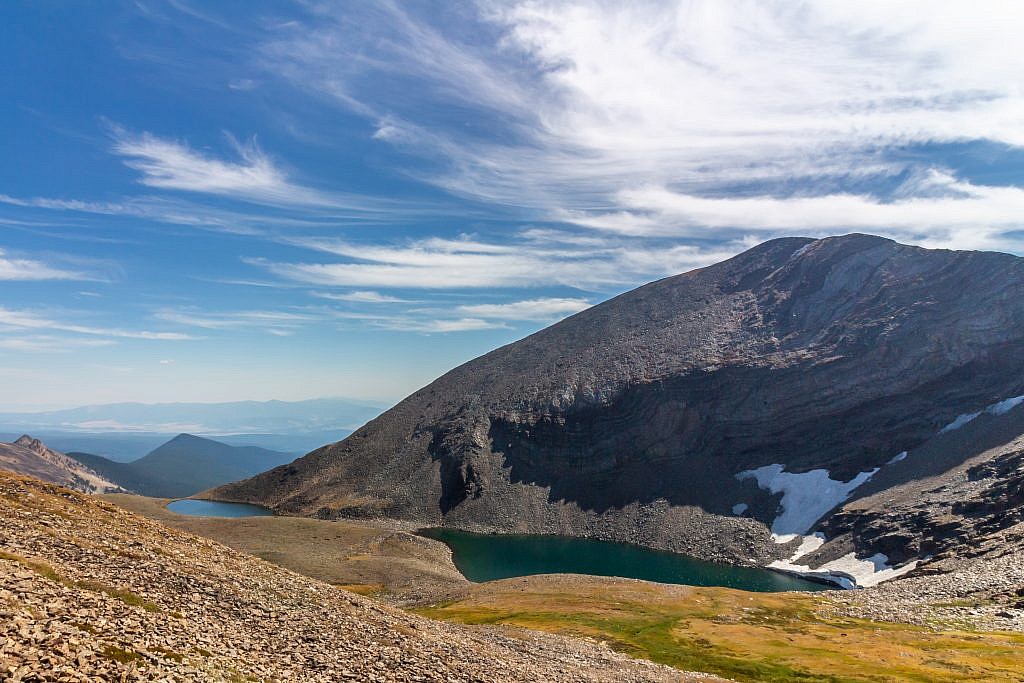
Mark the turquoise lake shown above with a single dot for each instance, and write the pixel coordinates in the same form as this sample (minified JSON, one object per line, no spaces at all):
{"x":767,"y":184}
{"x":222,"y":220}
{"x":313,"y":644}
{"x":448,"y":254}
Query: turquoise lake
{"x":212,"y":508}
{"x":486,"y":557}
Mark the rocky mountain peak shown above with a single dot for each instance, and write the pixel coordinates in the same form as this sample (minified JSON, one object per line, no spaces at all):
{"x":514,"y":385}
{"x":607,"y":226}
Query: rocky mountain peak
{"x":27,"y":441}
{"x":31,"y":457}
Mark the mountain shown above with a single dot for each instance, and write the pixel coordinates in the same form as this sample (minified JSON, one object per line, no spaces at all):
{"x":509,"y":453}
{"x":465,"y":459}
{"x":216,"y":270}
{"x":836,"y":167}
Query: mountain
{"x":32,"y":458}
{"x":92,"y":592}
{"x":185,"y":465}
{"x":122,"y":447}
{"x":128,"y":446}
{"x":242,"y":417}
{"x":724,"y":412}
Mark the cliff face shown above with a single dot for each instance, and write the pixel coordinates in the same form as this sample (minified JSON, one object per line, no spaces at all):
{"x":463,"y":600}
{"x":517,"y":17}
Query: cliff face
{"x":632,"y":419}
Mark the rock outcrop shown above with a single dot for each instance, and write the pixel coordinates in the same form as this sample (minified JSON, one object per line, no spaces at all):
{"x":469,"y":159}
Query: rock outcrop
{"x":631,"y":420}
{"x":31,"y":457}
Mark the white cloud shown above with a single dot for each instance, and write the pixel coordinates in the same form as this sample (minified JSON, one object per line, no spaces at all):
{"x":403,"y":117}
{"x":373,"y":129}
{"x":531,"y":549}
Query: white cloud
{"x":169,"y":164}
{"x":31,"y":269}
{"x":963,"y":216}
{"x":464,"y":263}
{"x":437,"y":326}
{"x":164,"y":210}
{"x":28,"y":320}
{"x":48,"y":343}
{"x":638,"y":118}
{"x":361,"y":297}
{"x":271,"y":321}
{"x":424,"y":321}
{"x":551,"y":308}
{"x":253,"y":176}
{"x":335,"y":51}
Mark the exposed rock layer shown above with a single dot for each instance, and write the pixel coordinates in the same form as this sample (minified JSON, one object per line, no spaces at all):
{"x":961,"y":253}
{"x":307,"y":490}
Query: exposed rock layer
{"x":630,"y":420}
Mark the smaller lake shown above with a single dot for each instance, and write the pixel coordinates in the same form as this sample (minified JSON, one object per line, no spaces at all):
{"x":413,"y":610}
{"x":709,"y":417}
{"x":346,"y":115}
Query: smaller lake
{"x":213,"y":508}
{"x":487,"y":557}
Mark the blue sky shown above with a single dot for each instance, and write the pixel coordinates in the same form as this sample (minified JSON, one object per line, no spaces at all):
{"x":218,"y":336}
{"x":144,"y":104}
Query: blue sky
{"x":222,"y":200}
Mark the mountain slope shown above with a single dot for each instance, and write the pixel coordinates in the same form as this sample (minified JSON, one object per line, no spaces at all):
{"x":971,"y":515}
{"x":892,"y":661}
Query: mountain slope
{"x":678,"y":414}
{"x":32,"y":458}
{"x":91,"y":592}
{"x":185,"y":465}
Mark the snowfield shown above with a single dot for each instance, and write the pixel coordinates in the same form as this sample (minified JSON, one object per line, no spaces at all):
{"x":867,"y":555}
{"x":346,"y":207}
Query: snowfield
{"x":848,"y":571}
{"x":806,"y":496}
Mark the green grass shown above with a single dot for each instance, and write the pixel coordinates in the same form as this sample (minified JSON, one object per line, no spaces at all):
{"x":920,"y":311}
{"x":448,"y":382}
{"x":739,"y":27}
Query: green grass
{"x":38,"y":566}
{"x":125,"y":596}
{"x":781,"y":637}
{"x":169,"y":654}
{"x":116,"y":654}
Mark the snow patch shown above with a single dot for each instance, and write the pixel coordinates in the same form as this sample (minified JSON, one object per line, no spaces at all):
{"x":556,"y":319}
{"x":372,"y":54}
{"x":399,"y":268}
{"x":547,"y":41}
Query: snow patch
{"x":739,"y":508}
{"x":848,"y":571}
{"x":896,"y":458}
{"x":959,"y":422}
{"x":805,"y":496}
{"x":999,"y":408}
{"x":1005,"y":405}
{"x":808,"y":545}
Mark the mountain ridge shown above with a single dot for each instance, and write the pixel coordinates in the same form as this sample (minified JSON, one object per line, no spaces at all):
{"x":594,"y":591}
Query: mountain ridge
{"x":31,"y":457}
{"x":632,"y":419}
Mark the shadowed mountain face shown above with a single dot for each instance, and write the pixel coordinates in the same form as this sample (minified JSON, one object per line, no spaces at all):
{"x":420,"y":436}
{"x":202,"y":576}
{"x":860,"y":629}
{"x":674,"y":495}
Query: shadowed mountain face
{"x":631,"y":420}
{"x":185,"y":465}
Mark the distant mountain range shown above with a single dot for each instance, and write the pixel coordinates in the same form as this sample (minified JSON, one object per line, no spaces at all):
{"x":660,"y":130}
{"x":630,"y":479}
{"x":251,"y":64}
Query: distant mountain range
{"x":31,"y":457}
{"x":184,"y":465}
{"x":125,"y":431}
{"x":242,"y":417}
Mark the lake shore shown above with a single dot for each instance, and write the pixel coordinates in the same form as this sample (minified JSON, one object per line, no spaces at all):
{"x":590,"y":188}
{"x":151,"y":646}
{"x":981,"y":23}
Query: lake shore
{"x":930,"y":628}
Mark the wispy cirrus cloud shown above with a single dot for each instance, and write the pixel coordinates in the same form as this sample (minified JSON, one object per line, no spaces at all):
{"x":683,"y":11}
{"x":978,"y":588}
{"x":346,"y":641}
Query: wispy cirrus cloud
{"x":49,"y":343}
{"x":362,"y":297}
{"x":955,"y":214}
{"x":14,"y":268}
{"x":22,"y":319}
{"x":441,"y":325}
{"x":253,"y":175}
{"x":768,"y":97}
{"x":277,"y":323}
{"x":542,"y":309}
{"x":436,"y":263}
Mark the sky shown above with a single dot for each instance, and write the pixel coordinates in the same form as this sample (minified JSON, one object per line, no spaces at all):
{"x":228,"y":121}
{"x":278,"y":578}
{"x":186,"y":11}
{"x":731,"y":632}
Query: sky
{"x":212,"y":201}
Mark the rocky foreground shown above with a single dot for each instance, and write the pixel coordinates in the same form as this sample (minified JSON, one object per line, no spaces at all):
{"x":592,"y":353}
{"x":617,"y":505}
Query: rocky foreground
{"x":91,"y":592}
{"x":983,"y":593}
